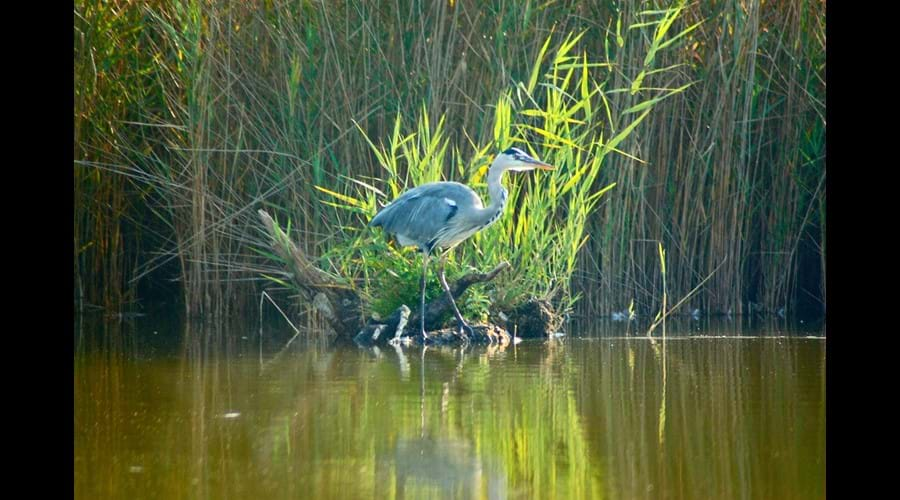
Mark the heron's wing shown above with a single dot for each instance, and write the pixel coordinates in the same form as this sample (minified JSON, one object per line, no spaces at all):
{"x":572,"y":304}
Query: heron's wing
{"x":418,"y":216}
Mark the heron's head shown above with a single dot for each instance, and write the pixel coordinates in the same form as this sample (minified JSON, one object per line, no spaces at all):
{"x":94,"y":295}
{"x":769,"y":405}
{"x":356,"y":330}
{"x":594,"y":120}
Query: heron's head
{"x":516,"y":160}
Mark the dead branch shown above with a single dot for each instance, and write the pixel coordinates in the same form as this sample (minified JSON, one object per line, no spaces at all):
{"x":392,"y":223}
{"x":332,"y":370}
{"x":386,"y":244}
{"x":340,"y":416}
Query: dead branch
{"x":337,"y":302}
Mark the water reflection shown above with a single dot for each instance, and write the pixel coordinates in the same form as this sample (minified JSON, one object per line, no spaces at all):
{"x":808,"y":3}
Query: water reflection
{"x":735,"y":418}
{"x":433,"y":466}
{"x":437,"y":467}
{"x":579,"y":418}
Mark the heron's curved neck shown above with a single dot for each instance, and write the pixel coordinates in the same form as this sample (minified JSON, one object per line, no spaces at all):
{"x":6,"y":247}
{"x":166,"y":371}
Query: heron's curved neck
{"x":498,"y":194}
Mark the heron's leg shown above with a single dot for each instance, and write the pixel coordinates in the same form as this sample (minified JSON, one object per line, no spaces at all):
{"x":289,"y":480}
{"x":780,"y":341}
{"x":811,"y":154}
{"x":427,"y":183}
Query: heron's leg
{"x":462,"y":322}
{"x":424,"y":281}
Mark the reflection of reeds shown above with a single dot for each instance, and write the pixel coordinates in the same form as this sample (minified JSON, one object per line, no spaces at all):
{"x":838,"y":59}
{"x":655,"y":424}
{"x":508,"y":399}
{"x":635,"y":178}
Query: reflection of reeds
{"x":579,"y":419}
{"x":337,"y":424}
{"x":742,"y":417}
{"x":105,"y":389}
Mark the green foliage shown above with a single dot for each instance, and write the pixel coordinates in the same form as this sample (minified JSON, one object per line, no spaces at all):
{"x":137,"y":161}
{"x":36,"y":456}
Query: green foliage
{"x":544,"y":229}
{"x":191,"y":115}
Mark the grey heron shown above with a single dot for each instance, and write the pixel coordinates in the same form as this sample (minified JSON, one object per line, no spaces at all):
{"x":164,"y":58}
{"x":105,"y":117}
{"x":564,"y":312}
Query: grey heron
{"x":441,"y":215}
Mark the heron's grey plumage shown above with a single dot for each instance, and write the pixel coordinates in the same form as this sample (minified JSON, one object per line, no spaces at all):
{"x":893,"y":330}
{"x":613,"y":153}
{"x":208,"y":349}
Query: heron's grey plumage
{"x":431,"y":215}
{"x":443,"y":214}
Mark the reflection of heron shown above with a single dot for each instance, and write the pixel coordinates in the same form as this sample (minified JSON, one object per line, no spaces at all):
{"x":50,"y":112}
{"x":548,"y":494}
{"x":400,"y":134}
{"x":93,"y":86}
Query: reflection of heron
{"x":445,"y":464}
{"x":443,"y":214}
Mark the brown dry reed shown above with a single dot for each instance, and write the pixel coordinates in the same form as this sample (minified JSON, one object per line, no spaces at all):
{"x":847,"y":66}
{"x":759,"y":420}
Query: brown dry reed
{"x":191,"y":115}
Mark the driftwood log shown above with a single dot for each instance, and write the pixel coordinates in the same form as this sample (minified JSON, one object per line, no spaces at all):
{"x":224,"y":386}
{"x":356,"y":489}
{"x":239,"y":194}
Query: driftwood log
{"x":343,"y":309}
{"x":339,"y":304}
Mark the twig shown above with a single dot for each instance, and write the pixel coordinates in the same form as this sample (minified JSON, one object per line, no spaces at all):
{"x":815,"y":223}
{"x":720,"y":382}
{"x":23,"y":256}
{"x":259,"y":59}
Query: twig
{"x":666,"y":313}
{"x":283,"y":315}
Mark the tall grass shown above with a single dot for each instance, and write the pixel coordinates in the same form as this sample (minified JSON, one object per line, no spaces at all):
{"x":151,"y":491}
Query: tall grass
{"x":109,"y":67}
{"x":735,"y":171}
{"x":234,"y":106}
{"x":560,"y":112}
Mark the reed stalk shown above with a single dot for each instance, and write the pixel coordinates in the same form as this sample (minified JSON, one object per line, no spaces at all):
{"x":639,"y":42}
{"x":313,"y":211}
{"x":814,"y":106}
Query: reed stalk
{"x":192,"y":115}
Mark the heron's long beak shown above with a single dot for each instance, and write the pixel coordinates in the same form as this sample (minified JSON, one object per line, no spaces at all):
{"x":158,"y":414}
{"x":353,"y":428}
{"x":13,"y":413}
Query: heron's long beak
{"x":539,"y":164}
{"x":525,"y":163}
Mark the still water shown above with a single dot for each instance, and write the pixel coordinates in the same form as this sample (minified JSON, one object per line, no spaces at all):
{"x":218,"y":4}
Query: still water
{"x":185,"y":411}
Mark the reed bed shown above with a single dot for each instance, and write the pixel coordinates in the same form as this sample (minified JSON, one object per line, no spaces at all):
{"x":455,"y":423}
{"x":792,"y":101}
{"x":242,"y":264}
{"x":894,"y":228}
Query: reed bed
{"x":191,"y":115}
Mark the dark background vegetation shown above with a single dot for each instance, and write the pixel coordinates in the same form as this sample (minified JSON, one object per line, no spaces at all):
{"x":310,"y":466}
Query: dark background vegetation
{"x":191,"y":115}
